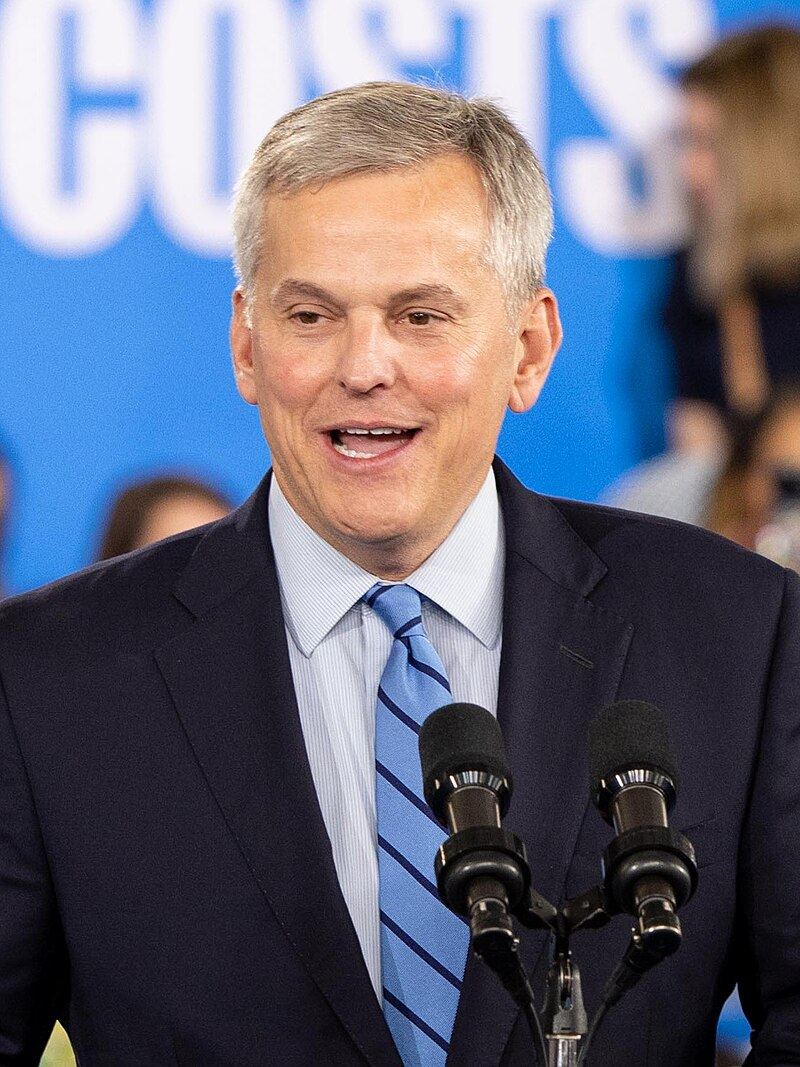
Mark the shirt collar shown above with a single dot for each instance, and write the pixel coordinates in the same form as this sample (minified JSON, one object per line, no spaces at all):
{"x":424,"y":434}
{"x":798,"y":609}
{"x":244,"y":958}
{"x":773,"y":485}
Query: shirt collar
{"x":464,"y":576}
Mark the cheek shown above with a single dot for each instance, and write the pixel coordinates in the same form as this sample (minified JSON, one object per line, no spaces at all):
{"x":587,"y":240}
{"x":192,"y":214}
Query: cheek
{"x":287,"y":381}
{"x":472,"y":399}
{"x":474,"y":368}
{"x":485,"y":378}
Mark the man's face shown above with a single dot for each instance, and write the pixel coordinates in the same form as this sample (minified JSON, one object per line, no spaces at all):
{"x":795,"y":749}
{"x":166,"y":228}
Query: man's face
{"x":381,"y":357}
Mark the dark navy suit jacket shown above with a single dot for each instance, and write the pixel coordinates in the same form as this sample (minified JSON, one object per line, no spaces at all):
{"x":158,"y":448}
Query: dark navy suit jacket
{"x":166,"y":882}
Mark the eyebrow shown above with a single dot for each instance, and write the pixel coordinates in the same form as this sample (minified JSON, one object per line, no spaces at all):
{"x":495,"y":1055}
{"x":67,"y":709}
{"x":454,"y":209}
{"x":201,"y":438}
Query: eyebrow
{"x":434,"y":293}
{"x":296,"y":289}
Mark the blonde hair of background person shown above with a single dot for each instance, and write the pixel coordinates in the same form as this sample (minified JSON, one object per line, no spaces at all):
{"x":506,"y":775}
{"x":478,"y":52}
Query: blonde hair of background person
{"x":741,"y":153}
{"x":749,"y":226}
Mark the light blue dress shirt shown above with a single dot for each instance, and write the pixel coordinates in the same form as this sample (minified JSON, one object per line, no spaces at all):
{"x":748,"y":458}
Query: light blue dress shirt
{"x":338,"y":648}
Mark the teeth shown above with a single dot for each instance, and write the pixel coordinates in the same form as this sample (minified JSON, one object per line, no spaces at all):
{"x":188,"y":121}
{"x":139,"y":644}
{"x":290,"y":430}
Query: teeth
{"x":353,"y":455}
{"x":378,"y":431}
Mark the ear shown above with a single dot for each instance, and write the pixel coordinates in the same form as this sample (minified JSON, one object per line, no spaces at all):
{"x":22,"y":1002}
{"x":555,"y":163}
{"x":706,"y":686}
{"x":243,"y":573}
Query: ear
{"x":242,"y":349}
{"x":538,"y":340}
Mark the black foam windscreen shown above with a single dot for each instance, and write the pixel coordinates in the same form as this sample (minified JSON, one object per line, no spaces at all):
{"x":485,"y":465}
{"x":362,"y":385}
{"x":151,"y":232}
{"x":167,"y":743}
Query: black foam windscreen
{"x":460,"y":737}
{"x":626,"y":735}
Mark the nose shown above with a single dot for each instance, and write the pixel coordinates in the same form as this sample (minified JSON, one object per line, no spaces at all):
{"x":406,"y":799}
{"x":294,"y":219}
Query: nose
{"x":367,"y":360}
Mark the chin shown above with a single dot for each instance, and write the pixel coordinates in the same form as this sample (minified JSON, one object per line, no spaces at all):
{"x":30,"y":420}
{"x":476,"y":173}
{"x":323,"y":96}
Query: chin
{"x":385,"y":525}
{"x":376,"y":532}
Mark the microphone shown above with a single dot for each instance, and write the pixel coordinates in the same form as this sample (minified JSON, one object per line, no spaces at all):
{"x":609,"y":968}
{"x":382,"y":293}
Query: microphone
{"x":650,"y":870}
{"x":481,"y":870}
{"x":464,"y":771}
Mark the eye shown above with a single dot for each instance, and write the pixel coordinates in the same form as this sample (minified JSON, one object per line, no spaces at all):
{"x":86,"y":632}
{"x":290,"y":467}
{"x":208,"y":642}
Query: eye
{"x":422,"y":318}
{"x":308,"y":318}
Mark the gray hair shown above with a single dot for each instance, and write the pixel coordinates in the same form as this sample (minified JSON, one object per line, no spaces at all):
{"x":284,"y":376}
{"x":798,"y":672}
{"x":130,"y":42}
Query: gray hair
{"x":386,"y":126}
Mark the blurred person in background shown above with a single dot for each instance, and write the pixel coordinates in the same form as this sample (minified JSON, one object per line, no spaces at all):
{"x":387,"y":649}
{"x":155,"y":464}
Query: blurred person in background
{"x":754,"y":499}
{"x":156,"y":508}
{"x":757,"y":490}
{"x":734,"y":309}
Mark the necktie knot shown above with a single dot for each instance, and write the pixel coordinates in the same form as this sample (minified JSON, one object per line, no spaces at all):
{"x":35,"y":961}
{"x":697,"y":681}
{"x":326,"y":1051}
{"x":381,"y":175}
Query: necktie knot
{"x":399,"y":607}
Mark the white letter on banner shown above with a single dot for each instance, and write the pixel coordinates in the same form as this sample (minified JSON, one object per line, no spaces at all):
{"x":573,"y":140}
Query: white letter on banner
{"x":222,"y":73}
{"x":68,"y":176}
{"x":345,"y":52}
{"x":637,"y":103}
{"x":507,"y":59}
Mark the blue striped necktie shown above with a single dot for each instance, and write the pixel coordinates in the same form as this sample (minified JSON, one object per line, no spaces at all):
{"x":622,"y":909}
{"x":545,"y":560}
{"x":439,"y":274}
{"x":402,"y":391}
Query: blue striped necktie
{"x":423,"y":944}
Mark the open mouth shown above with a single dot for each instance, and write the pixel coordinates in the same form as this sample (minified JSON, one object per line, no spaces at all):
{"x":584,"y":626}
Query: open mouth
{"x":359,"y":443}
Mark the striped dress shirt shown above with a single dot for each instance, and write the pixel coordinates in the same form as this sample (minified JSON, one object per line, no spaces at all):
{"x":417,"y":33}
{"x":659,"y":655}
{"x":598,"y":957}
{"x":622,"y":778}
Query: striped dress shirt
{"x":338,"y":648}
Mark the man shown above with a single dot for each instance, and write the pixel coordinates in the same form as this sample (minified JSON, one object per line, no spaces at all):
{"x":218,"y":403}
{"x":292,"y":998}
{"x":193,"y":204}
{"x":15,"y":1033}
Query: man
{"x":197,"y":861}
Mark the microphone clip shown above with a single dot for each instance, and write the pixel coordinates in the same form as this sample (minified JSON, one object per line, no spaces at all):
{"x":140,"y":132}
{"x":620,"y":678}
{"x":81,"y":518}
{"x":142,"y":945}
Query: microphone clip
{"x":650,"y":872}
{"x":486,"y":853}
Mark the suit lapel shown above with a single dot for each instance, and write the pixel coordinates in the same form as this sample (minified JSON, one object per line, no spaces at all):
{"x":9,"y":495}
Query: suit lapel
{"x":561,"y":663}
{"x":230,"y":679}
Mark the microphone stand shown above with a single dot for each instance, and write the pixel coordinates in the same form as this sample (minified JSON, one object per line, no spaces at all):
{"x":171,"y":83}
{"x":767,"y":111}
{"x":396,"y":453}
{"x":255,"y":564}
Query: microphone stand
{"x":483,"y":873}
{"x":559,"y":1032}
{"x":564,"y":1018}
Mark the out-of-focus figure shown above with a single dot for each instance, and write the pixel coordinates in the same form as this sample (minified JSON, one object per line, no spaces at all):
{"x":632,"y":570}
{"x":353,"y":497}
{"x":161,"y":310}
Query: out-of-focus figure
{"x":756,"y":500}
{"x":151,"y":510}
{"x":734,"y":309}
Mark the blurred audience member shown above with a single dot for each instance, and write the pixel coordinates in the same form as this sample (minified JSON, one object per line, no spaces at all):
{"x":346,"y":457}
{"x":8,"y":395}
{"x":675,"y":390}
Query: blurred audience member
{"x":756,"y":496}
{"x":733,"y":312}
{"x":151,"y":510}
{"x":751,"y":497}
{"x":675,"y":485}
{"x":734,"y":308}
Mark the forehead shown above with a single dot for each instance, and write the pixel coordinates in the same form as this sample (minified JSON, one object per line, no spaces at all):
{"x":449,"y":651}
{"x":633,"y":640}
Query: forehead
{"x":442,"y":201}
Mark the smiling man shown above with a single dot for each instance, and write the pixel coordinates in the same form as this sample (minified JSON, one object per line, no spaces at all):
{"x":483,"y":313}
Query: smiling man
{"x":214,"y":849}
